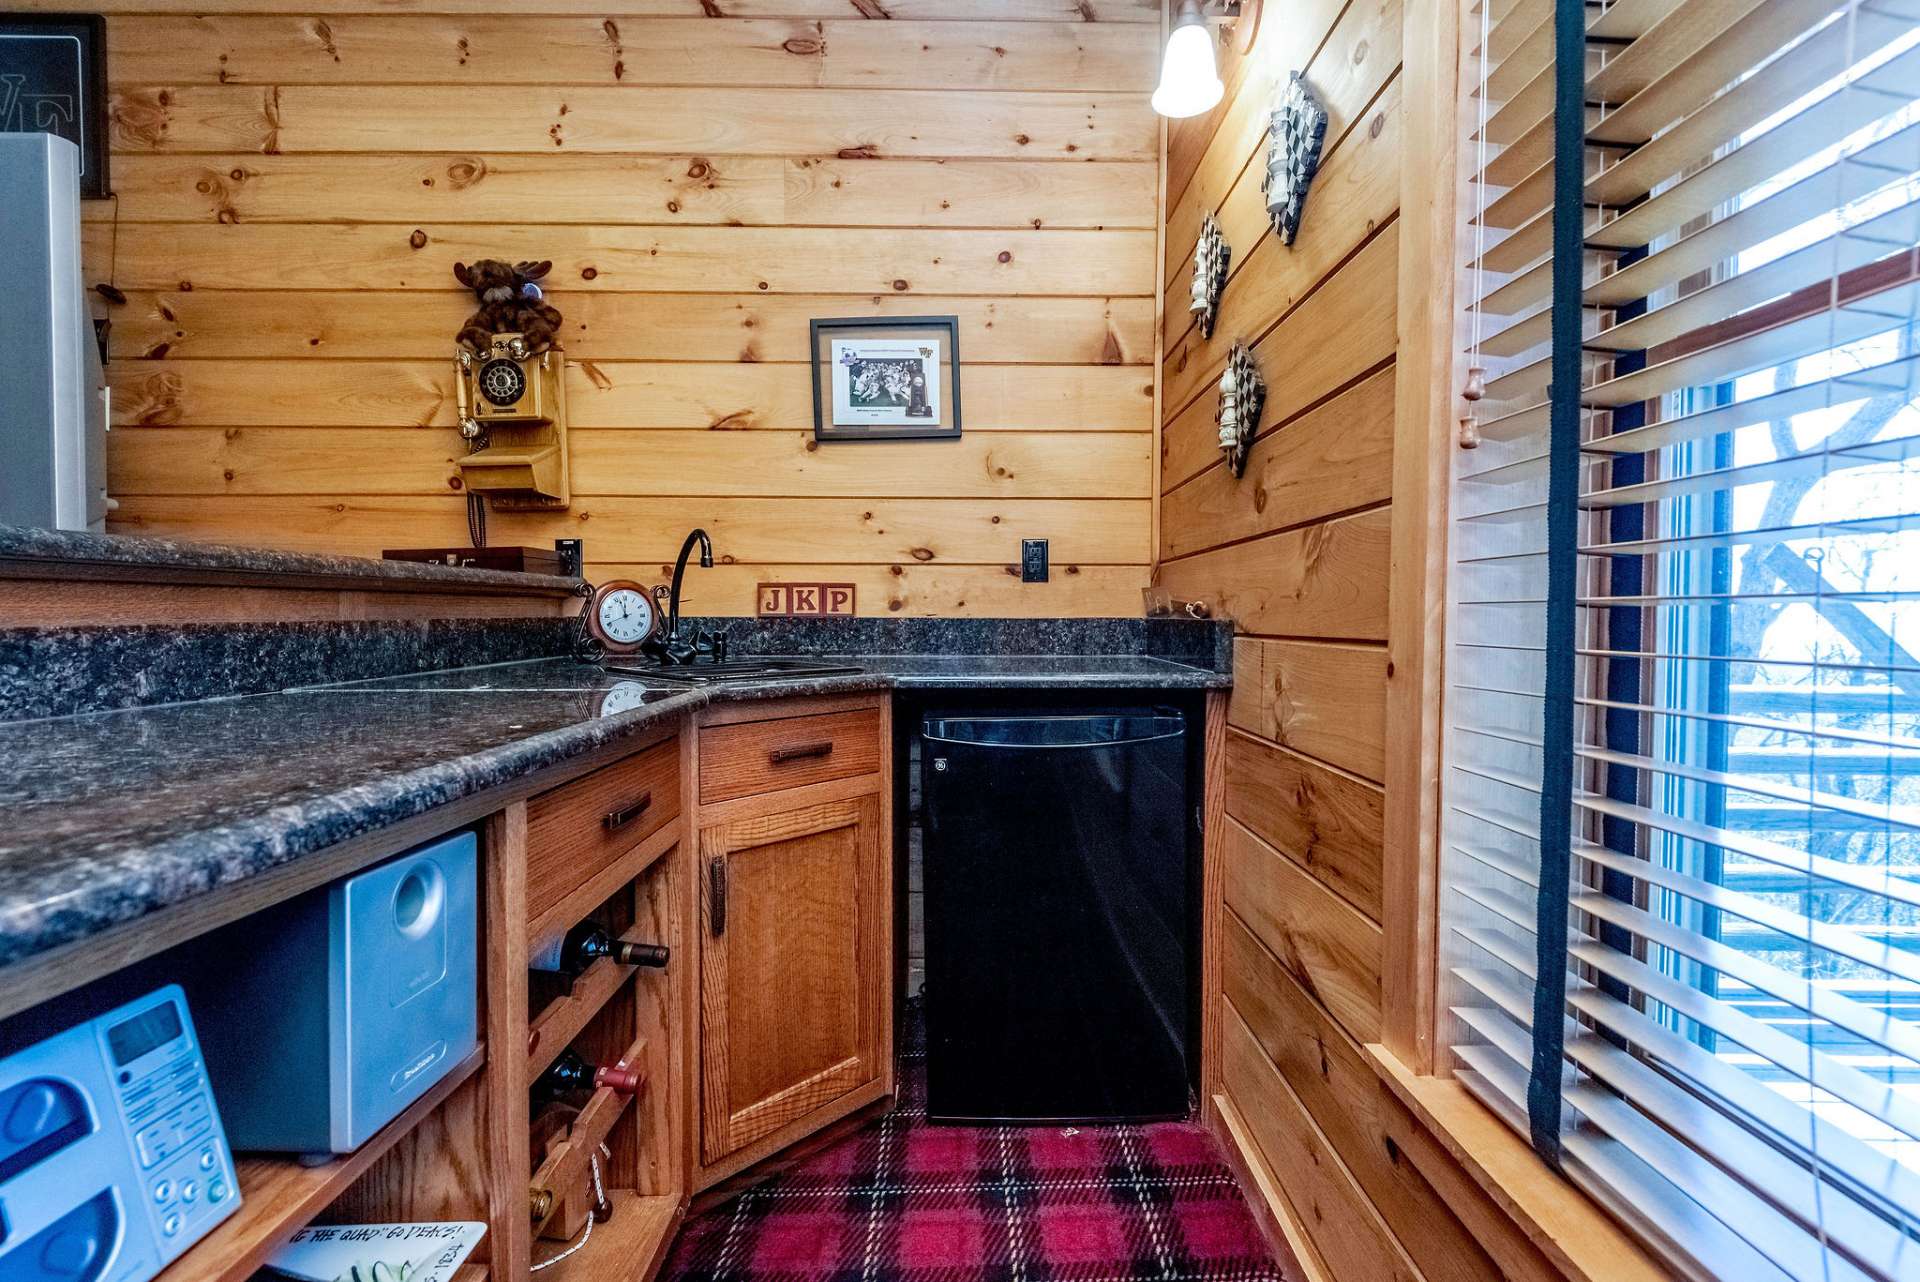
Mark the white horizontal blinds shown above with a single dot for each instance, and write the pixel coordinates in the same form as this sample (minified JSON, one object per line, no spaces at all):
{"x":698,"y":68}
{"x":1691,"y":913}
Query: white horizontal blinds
{"x":1741,"y":1068}
{"x":1490,"y":849}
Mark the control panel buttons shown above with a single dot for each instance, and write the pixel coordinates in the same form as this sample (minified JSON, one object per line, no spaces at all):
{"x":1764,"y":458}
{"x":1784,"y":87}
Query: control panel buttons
{"x":171,"y":1225}
{"x":155,"y":1143}
{"x":163,"y":1191}
{"x":217,"y":1191}
{"x":208,"y":1161}
{"x":189,"y":1190}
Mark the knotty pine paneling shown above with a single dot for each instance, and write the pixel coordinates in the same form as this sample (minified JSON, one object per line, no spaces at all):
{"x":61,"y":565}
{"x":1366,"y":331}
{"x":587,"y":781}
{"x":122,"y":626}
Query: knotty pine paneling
{"x":1323,"y":701}
{"x":606,"y":394}
{"x":1360,"y":1120}
{"x":295,"y":182}
{"x":1330,"y":947}
{"x":619,"y":462}
{"x":523,"y":49}
{"x":757,"y":191}
{"x":1347,"y":1238}
{"x":1142,"y":11}
{"x":737,"y":120}
{"x":1298,"y":553}
{"x":742,"y":328}
{"x":746,"y":531}
{"x":1327,"y":822}
{"x":642,"y":260}
{"x":1332,"y":339}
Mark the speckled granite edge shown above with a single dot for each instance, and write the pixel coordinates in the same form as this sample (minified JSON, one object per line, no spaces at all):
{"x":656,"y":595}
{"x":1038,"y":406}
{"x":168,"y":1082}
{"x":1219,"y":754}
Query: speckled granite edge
{"x":125,"y":884}
{"x":1206,"y":643}
{"x":28,"y":544}
{"x":57,"y":672}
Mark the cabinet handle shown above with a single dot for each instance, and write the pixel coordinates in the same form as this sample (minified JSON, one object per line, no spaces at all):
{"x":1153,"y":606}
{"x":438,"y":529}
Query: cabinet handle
{"x":799,"y":752}
{"x":717,"y":895}
{"x":618,"y":819}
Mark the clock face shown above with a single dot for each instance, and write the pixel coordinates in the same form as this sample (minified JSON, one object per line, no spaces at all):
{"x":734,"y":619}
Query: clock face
{"x":623,"y":616}
{"x":502,"y":382}
{"x":623,"y":696}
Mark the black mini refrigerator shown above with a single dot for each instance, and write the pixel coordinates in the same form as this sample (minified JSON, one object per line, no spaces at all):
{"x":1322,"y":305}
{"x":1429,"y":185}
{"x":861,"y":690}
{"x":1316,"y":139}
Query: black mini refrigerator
{"x":1058,"y":855}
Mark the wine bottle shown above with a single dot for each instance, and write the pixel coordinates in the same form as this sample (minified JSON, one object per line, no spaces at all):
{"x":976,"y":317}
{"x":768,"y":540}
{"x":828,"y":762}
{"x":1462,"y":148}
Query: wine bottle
{"x":571,"y":1073}
{"x":586,"y":943}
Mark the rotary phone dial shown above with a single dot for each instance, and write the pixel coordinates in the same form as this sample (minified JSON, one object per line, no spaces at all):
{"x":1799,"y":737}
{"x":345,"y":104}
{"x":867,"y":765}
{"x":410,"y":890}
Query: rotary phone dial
{"x":502,"y":381}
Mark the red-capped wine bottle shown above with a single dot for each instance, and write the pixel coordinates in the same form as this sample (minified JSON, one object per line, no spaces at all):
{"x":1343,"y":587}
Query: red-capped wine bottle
{"x":586,"y":943}
{"x":571,"y":1073}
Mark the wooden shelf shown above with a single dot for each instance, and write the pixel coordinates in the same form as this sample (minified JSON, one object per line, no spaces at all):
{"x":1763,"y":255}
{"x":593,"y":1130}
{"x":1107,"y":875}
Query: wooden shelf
{"x":630,"y":1247}
{"x":279,"y":1196}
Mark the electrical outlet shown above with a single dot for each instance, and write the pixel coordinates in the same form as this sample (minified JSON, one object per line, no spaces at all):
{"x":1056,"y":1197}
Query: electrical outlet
{"x":1033,"y":560}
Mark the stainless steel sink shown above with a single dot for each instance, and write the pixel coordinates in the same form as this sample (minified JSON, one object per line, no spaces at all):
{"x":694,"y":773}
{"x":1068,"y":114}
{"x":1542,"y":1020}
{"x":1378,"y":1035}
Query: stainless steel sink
{"x":745,"y":668}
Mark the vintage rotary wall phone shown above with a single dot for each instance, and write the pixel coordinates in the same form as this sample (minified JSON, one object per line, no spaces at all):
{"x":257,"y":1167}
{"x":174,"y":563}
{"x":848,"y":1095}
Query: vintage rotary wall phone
{"x":511,"y":390}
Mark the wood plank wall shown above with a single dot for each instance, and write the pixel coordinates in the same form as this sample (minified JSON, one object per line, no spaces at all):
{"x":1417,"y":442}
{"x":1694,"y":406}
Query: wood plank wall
{"x":296,"y":180}
{"x":1298,"y":553}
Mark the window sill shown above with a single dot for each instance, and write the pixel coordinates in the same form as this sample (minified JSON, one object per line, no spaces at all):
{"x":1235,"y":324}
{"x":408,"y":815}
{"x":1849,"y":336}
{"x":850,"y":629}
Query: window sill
{"x":1567,"y":1227}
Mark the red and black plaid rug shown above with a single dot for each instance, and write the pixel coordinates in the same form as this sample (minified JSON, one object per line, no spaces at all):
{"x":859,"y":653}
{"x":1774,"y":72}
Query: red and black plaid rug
{"x":902,"y":1201}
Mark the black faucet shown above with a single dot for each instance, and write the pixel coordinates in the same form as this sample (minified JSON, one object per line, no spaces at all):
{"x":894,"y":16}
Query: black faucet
{"x":673,"y":649}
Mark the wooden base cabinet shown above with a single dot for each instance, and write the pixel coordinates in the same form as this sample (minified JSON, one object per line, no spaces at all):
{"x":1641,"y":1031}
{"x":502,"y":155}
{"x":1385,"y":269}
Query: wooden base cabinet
{"x":796,"y":924}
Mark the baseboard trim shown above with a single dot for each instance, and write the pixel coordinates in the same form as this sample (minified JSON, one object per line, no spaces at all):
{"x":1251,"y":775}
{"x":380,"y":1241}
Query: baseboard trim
{"x":1292,"y":1248}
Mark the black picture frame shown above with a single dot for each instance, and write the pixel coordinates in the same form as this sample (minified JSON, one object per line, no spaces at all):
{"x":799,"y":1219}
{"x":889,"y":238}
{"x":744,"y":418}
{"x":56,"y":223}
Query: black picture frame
{"x":55,"y":51}
{"x":821,"y":332}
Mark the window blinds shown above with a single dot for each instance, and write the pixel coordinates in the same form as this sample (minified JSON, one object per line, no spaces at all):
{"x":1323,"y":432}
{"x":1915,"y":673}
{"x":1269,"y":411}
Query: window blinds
{"x":1683,"y":697}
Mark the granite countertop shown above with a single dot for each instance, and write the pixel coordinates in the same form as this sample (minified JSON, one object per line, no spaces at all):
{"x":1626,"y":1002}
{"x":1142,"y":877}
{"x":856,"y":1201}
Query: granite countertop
{"x":114,"y":815}
{"x":169,"y":559}
{"x":891,"y":671}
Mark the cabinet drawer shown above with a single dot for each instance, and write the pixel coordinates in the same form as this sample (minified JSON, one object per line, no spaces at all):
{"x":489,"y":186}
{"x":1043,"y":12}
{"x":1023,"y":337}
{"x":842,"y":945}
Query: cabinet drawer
{"x":766,"y":756}
{"x":578,"y":829}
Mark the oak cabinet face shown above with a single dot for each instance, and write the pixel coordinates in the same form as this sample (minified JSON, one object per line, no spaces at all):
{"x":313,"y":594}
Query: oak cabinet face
{"x":793,"y":980}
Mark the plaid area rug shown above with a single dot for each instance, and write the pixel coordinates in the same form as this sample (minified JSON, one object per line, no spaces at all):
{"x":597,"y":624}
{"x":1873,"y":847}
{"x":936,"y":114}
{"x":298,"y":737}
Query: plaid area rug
{"x":902,"y":1201}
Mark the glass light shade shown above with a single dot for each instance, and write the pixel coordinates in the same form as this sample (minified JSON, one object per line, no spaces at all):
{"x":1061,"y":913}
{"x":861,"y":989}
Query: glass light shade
{"x":1189,"y":83}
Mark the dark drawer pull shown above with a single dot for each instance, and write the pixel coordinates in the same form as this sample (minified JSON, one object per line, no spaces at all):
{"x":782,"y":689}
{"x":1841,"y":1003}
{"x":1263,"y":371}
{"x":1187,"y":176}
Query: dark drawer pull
{"x":617,"y":819}
{"x":717,"y":895}
{"x":800,"y":752}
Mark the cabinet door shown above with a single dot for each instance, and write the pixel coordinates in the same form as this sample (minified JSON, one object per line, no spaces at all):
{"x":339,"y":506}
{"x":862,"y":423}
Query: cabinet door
{"x":794,"y":917}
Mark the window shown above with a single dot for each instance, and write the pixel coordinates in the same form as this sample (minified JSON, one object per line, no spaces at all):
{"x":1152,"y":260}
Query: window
{"x":1683,"y":691}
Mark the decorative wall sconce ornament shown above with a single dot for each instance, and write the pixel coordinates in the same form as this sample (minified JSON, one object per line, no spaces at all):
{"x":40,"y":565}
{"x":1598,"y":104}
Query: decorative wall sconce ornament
{"x":1211,"y":257}
{"x":1243,"y":394}
{"x":1299,"y":126}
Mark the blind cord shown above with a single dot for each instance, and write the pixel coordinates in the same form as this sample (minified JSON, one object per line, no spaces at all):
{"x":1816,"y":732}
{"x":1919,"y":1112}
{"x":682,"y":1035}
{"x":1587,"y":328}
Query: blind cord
{"x":1476,"y":388}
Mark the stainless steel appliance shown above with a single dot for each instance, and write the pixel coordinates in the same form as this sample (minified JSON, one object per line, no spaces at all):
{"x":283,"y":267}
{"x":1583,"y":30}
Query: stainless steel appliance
{"x":112,"y":1159}
{"x":325,"y":1016}
{"x":53,"y":408}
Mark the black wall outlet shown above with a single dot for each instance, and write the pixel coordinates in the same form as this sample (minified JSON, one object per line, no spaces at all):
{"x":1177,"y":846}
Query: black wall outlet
{"x":572,"y":556}
{"x":1033,"y":560}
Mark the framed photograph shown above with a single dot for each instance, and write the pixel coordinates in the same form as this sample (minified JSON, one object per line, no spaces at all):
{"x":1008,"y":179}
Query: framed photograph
{"x":890,"y":379}
{"x":53,"y":79}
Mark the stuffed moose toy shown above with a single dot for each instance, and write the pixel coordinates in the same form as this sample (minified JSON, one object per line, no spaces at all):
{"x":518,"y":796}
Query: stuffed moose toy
{"x":510,"y":303}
